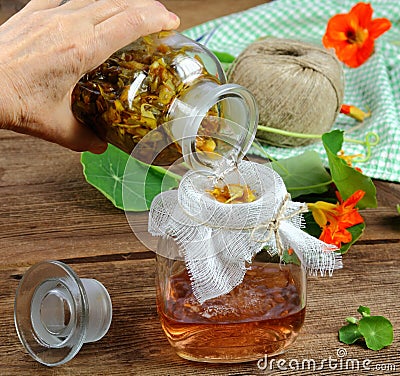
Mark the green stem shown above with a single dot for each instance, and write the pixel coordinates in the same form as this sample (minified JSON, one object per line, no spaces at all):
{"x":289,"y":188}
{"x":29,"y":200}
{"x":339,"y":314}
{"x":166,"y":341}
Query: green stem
{"x":287,"y":133}
{"x":164,"y":171}
{"x":257,"y":146}
{"x":353,"y":141}
{"x":308,"y":135}
{"x":368,"y":145}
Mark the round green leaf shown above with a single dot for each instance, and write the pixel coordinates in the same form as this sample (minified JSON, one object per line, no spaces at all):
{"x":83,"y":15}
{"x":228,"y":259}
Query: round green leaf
{"x":224,"y":57}
{"x":377,"y":331}
{"x":349,"y":334}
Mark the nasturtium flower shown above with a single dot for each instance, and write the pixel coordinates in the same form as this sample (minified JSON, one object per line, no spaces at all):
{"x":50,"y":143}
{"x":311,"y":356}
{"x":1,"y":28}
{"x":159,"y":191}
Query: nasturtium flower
{"x":354,"y":112}
{"x":353,"y":34}
{"x":335,"y":219}
{"x":335,"y":235}
{"x":323,"y":212}
{"x":349,"y":159}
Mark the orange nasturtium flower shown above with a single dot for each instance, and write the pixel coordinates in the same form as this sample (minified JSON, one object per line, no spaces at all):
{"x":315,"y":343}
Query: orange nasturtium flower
{"x":335,"y":219}
{"x":352,"y":34}
{"x":354,"y":112}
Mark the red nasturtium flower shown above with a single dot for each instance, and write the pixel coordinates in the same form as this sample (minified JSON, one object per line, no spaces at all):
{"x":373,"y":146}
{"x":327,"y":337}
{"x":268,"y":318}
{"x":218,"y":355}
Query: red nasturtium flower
{"x":352,"y":34}
{"x":335,"y":219}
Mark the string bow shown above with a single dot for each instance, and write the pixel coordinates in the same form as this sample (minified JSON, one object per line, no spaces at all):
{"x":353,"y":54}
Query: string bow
{"x":272,"y":226}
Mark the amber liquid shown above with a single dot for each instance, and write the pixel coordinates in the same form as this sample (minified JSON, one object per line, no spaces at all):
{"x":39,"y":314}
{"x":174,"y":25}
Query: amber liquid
{"x":263,"y":315}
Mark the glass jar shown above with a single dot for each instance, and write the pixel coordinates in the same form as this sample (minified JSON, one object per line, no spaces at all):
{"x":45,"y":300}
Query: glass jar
{"x":263,"y":315}
{"x":169,"y":93}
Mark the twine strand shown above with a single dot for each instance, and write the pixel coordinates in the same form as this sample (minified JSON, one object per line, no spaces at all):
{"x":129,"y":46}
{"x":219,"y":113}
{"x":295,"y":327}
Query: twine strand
{"x":272,"y":227}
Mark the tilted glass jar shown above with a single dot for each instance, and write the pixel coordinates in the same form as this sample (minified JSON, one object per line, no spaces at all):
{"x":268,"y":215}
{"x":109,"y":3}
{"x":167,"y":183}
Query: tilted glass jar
{"x":169,"y":93}
{"x":261,"y":316}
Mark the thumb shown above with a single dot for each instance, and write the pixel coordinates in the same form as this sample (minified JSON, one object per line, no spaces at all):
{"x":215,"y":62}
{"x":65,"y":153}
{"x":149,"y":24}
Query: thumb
{"x":61,"y":127}
{"x":79,"y":137}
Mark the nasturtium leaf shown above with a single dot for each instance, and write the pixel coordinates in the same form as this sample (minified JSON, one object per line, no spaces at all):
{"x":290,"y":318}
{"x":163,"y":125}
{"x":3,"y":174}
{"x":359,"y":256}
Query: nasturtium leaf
{"x":355,"y":231}
{"x":364,"y":311}
{"x":303,"y":174}
{"x":312,"y":227}
{"x":377,"y":331}
{"x":352,"y":320}
{"x":347,"y":179}
{"x":398,"y":208}
{"x":290,"y":257}
{"x":106,"y":173}
{"x":333,"y":140}
{"x":225,"y":59}
{"x":349,"y":334}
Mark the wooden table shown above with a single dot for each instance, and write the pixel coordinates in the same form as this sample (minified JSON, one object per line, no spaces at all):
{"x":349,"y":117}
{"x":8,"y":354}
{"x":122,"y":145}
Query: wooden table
{"x":48,"y":211}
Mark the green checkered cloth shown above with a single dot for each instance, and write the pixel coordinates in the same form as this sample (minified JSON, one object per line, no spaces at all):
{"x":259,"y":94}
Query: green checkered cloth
{"x":374,"y":86}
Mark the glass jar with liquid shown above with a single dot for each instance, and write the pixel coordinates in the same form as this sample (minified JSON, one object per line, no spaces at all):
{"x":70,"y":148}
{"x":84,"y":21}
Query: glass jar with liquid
{"x":262,"y":315}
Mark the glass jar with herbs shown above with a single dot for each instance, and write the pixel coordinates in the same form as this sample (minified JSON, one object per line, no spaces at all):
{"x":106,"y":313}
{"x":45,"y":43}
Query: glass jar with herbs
{"x":168,"y":93}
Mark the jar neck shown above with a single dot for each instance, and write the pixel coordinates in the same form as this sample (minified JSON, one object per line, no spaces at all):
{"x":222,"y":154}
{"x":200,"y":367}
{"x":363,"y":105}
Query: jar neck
{"x":226,"y":113}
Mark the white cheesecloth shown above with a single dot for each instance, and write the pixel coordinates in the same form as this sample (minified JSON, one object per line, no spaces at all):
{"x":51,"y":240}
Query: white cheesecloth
{"x":218,"y":240}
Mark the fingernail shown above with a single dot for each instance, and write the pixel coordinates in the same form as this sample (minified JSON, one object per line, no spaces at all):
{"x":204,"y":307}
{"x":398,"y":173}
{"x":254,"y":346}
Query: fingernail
{"x":160,"y":4}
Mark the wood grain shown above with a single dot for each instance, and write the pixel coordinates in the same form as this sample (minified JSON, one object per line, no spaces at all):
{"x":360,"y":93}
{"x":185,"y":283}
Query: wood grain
{"x":48,"y":211}
{"x":136,"y":345}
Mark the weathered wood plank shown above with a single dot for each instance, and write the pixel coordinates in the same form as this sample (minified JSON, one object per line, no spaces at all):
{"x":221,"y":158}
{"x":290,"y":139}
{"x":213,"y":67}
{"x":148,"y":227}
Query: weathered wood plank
{"x":189,"y":10}
{"x":48,"y":207}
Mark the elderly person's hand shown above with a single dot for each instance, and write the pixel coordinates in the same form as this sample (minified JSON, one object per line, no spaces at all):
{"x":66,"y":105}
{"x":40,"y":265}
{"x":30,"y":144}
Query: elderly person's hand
{"x":47,"y":47}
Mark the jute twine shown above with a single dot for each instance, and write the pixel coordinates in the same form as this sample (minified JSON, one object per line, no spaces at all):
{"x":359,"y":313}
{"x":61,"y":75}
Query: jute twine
{"x":298,"y":87}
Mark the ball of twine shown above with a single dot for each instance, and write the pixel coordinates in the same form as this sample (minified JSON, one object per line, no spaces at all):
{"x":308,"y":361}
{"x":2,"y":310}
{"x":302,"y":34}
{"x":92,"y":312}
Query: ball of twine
{"x":298,"y":87}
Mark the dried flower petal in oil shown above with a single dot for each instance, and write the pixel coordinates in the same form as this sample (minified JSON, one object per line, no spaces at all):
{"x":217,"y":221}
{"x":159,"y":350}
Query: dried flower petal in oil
{"x":233,"y":194}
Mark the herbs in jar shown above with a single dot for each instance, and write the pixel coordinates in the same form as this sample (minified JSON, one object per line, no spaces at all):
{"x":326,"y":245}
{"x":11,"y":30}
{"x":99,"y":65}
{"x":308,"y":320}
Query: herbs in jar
{"x":131,"y":95}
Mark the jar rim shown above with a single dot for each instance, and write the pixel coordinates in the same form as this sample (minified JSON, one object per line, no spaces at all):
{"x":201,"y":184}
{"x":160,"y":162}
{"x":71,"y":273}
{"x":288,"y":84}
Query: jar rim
{"x":215,"y":94}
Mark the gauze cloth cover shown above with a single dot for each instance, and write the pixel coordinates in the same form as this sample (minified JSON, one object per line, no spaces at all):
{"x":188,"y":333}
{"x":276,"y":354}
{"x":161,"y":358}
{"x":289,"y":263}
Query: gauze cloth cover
{"x":217,"y":240}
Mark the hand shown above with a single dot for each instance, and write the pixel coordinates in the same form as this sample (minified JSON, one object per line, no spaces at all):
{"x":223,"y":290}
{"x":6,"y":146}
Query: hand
{"x":46,"y":48}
